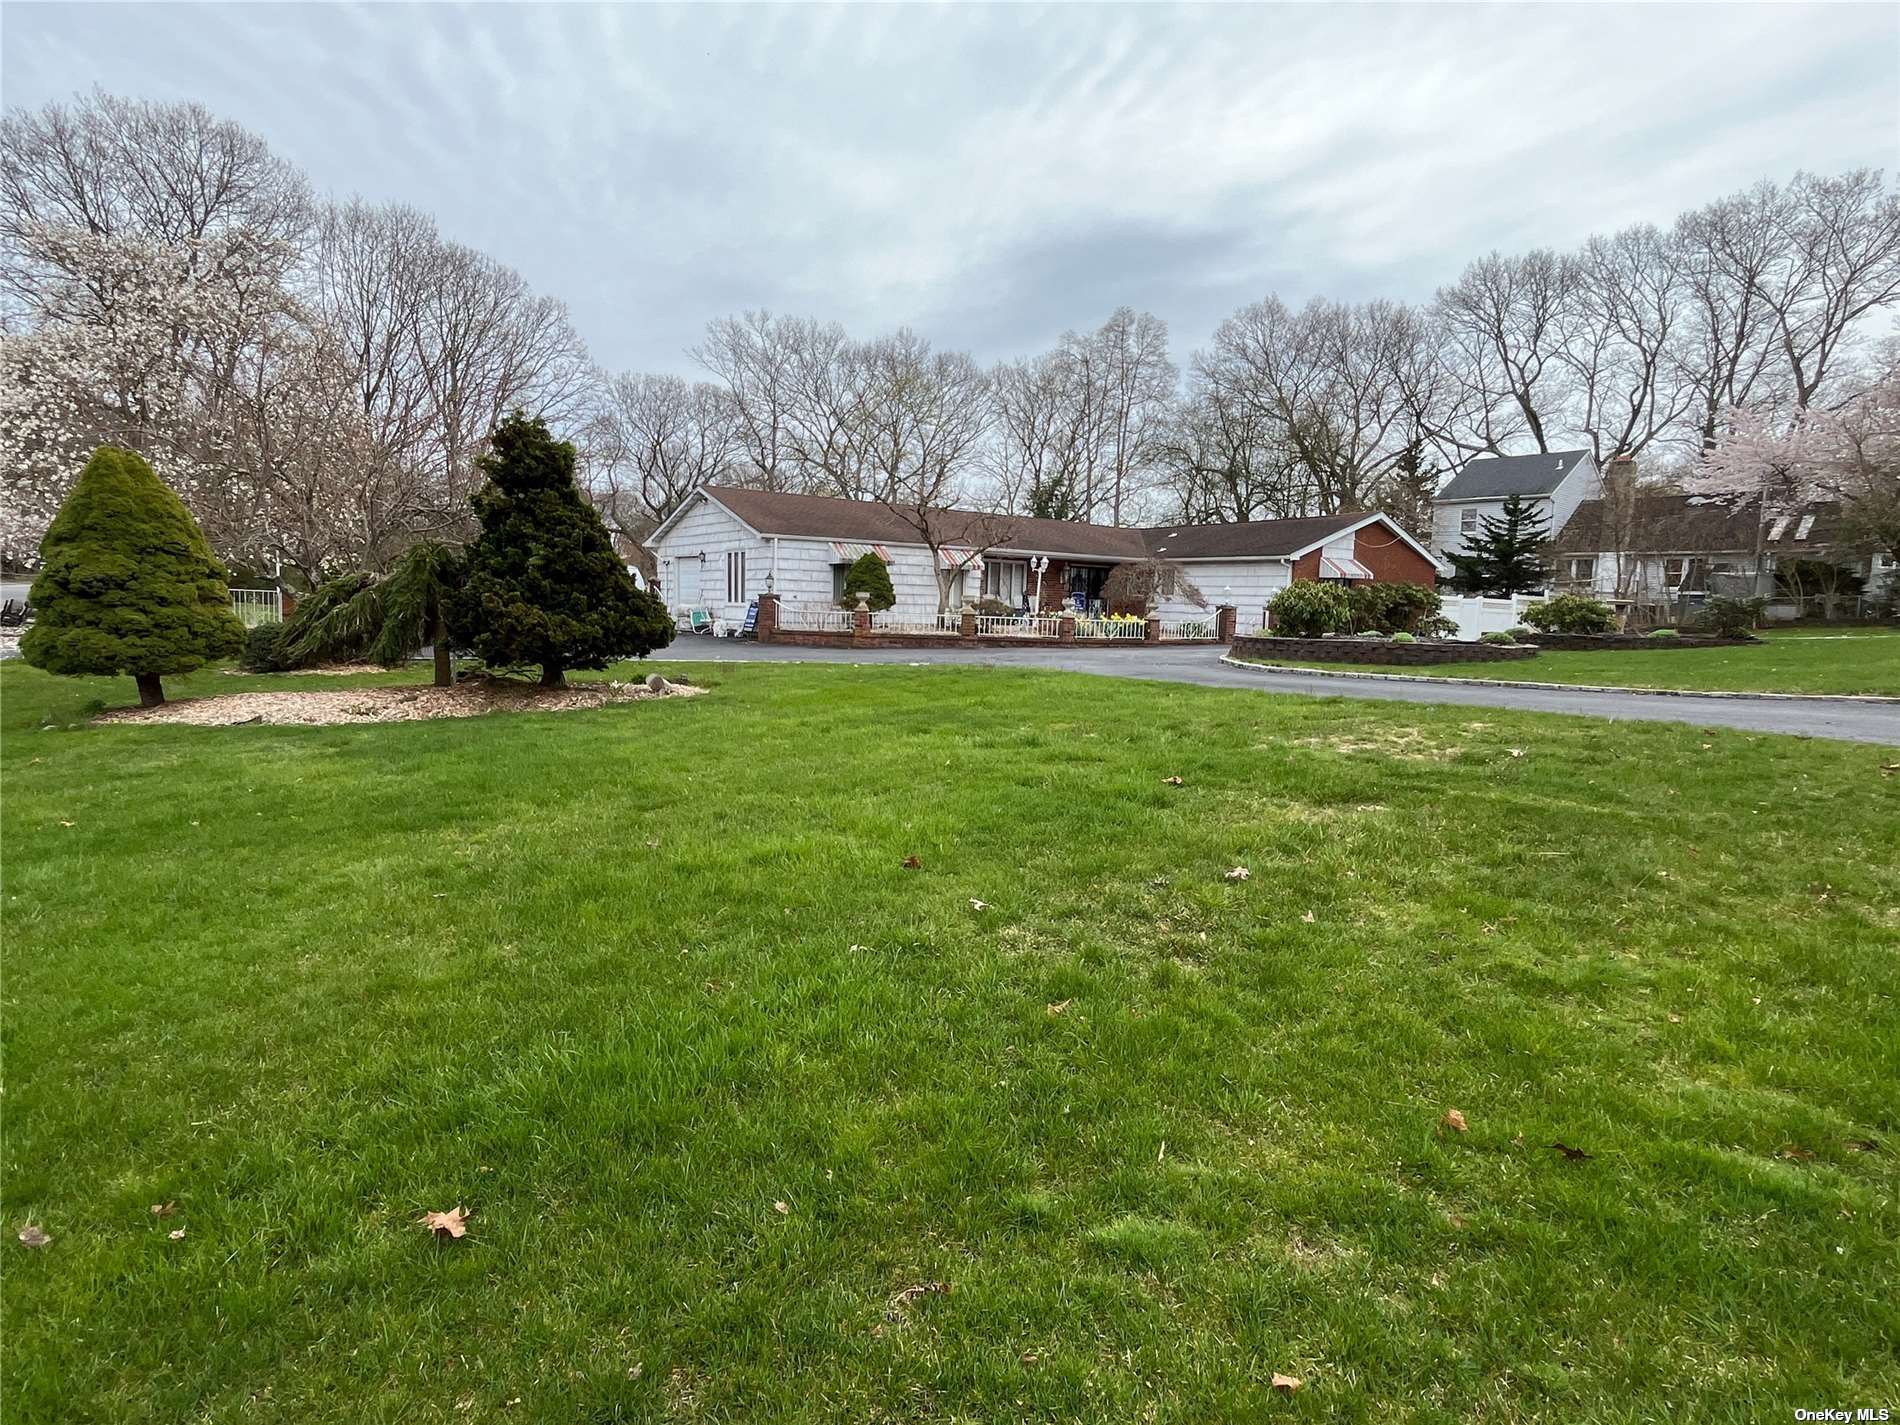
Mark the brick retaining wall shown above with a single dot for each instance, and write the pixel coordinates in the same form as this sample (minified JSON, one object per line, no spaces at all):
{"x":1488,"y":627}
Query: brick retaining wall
{"x":1366,"y":650}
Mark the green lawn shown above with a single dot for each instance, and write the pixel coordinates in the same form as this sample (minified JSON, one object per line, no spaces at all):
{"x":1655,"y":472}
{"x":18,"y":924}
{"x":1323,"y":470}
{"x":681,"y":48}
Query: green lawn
{"x":624,"y":981}
{"x":1860,"y":661}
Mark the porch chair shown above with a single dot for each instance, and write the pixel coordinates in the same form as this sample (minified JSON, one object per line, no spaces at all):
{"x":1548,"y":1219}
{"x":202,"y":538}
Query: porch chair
{"x":699,"y":621}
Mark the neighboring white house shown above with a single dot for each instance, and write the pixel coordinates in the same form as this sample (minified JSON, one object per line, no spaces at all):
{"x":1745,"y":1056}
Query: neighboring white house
{"x":723,"y":547}
{"x":1554,"y":482}
{"x":1664,"y":548}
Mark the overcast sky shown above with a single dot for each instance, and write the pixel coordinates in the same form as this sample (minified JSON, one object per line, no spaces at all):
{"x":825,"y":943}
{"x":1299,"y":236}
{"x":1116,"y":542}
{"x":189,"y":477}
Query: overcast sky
{"x":993,"y":175}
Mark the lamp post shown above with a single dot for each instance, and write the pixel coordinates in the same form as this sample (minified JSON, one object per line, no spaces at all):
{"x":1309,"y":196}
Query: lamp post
{"x":1040,"y":564}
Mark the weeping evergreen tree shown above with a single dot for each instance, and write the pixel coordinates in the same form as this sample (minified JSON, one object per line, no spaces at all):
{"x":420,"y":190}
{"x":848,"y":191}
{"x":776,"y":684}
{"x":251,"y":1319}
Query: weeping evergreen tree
{"x":544,"y":584}
{"x":391,"y":617}
{"x":129,"y":584}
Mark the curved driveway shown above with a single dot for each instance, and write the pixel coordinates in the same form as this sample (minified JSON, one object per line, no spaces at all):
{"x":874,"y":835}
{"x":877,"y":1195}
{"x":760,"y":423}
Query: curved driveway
{"x":1809,"y":717}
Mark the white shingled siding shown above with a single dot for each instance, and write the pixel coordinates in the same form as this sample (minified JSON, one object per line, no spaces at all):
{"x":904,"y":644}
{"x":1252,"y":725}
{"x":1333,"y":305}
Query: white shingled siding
{"x":1584,"y":482}
{"x":805,"y":575}
{"x":1248,"y":584}
{"x":692,"y":557}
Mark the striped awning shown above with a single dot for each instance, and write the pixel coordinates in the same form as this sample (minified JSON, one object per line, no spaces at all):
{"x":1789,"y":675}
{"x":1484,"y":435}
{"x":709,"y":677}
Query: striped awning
{"x":847,"y":551}
{"x":1340,"y":566}
{"x":960,"y":558}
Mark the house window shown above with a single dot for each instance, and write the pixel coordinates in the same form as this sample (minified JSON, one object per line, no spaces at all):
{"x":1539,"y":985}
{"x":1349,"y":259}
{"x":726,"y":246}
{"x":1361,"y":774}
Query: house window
{"x":735,"y":576}
{"x":1582,"y":570}
{"x":1676,"y":570}
{"x":839,"y":573}
{"x":1006,"y":580}
{"x":1801,"y":530}
{"x":1468,"y":521}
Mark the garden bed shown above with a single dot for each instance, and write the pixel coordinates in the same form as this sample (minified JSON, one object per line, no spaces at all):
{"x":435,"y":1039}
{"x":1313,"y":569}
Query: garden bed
{"x":326,"y":707}
{"x":1379,"y":650}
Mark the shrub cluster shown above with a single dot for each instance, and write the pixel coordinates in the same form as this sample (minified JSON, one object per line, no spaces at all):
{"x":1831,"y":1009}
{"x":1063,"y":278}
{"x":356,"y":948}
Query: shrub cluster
{"x":1311,"y":610}
{"x":1732,"y":618}
{"x":1571,"y":613}
{"x":1664,"y":633}
{"x":265,"y":650}
{"x":1394,"y":608}
{"x":1496,"y":637}
{"x":1404,"y":638}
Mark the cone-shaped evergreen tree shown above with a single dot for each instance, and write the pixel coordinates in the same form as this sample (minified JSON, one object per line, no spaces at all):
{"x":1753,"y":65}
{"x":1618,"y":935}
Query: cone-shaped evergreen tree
{"x":1507,"y":557}
{"x":543,"y":584}
{"x":129,"y":584}
{"x":870,"y":576}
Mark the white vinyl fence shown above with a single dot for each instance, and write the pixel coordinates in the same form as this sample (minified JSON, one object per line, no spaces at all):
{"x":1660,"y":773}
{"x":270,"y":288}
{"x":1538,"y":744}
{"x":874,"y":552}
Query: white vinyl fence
{"x":255,"y":606}
{"x":1476,"y":616}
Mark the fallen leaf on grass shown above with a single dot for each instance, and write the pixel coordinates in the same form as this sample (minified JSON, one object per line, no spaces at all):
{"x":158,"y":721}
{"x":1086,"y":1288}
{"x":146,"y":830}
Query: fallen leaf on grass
{"x":1887,"y":769}
{"x":1575,"y":1155}
{"x":976,"y":904}
{"x":69,"y":823}
{"x":177,"y":1234}
{"x":33,"y":1235}
{"x":1861,"y":1145}
{"x":895,"y":1310}
{"x":1058,"y":1007}
{"x":1239,"y":873}
{"x":164,"y":1209}
{"x":451,"y":1225}
{"x":781,"y":1207}
{"x":913,"y":863}
{"x":1286,"y":1385}
{"x":1454,"y":1120}
{"x":1309,"y":917}
{"x":1172,"y":781}
{"x":1794,"y":1152}
{"x":1675,"y":1019}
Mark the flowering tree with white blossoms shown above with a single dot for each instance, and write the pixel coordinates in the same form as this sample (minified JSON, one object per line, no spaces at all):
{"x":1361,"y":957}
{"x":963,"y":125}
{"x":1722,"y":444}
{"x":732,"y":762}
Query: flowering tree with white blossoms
{"x":118,"y":339}
{"x":1783,"y":461}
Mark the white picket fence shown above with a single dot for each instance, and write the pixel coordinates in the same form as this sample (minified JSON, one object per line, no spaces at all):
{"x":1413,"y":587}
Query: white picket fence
{"x":1188,"y":628}
{"x":1018,"y":626}
{"x":814,"y":618}
{"x":255,"y":606}
{"x":1476,"y":616}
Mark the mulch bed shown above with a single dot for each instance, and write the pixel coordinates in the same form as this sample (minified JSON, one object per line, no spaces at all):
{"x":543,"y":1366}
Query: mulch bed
{"x":472,"y":697}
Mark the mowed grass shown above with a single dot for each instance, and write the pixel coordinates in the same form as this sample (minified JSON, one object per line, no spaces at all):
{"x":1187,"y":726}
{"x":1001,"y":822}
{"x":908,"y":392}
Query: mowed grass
{"x":624,"y":982}
{"x":1865,"y":661}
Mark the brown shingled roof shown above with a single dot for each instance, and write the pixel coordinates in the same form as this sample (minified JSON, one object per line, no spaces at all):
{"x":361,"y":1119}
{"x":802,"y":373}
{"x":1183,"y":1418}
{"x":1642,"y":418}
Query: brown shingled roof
{"x":1693,"y":524}
{"x":829,"y":517}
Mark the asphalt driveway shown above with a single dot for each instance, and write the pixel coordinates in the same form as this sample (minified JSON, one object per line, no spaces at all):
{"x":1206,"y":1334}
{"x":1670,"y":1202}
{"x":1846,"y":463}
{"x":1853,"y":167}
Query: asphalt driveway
{"x":1807,"y":717}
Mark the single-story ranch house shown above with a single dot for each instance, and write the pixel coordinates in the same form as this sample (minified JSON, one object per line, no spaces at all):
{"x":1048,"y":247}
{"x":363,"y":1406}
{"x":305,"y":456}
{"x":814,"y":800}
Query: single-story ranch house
{"x":723,"y":547}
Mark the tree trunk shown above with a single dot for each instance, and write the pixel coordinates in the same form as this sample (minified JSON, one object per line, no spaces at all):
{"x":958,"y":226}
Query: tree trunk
{"x":151,"y":691}
{"x":553,"y":676}
{"x":444,"y":671}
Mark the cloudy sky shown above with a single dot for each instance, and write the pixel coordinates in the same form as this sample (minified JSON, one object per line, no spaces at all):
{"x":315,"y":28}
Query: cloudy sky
{"x":992,"y":175}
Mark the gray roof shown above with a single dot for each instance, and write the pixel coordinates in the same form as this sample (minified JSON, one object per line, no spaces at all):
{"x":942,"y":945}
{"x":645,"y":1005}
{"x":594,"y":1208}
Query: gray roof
{"x":1498,"y":477}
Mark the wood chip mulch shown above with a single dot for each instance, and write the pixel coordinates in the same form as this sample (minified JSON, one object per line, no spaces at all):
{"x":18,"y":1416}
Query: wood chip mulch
{"x":325,"y":707}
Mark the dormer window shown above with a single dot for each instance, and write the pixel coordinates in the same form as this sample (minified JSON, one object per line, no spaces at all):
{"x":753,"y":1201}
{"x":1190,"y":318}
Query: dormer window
{"x":1778,"y":528}
{"x":1801,"y":530}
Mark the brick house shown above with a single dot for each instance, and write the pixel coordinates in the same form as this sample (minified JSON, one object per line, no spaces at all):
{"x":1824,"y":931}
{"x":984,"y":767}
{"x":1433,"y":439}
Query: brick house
{"x":723,"y":547}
